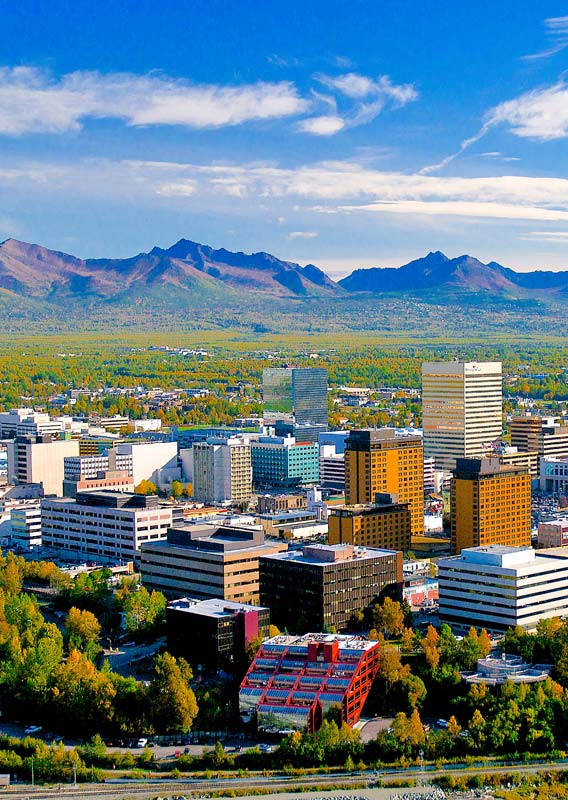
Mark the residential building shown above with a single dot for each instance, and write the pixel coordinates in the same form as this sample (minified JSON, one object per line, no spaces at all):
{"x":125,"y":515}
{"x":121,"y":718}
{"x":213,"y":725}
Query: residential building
{"x":498,"y":587}
{"x":25,"y":521}
{"x":214,"y":634}
{"x":282,"y":461}
{"x":386,"y":524}
{"x":294,"y":680}
{"x":204,"y":561}
{"x":297,"y":395}
{"x":222,"y":470}
{"x":461,"y":409}
{"x":320,"y":587}
{"x":379,"y":461}
{"x":40,"y":459}
{"x":490,"y":504}
{"x":104,"y":526}
{"x":553,"y":532}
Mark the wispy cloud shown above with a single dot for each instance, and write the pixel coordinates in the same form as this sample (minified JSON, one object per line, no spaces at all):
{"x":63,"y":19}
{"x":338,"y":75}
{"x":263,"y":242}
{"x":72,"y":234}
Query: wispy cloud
{"x":497,"y":156}
{"x":537,"y":114}
{"x":32,"y":101}
{"x":557,"y":31}
{"x":555,"y":237}
{"x":302,"y":235}
{"x":367,"y":97}
{"x":332,"y":187}
{"x":540,"y":114}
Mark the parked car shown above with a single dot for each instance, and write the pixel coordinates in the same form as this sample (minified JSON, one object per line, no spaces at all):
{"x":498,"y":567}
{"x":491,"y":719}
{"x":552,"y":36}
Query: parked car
{"x":142,"y":742}
{"x":31,"y":729}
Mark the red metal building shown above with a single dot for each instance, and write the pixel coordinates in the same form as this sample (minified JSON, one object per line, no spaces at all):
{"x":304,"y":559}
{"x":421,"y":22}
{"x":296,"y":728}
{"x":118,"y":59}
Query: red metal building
{"x":294,"y":680}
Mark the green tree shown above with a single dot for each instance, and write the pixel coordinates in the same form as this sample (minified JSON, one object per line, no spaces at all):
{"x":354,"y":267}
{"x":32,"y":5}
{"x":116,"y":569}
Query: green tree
{"x":146,"y":487}
{"x":172,"y":701}
{"x":176,"y":489}
{"x":83,"y":631}
{"x":143,"y":610}
{"x":389,"y":617}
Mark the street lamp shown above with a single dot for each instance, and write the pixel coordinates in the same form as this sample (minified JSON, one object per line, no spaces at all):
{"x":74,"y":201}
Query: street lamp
{"x":33,"y":781}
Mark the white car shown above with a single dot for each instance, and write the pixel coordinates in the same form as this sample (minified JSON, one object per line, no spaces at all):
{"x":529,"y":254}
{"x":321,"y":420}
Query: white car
{"x":142,"y":742}
{"x":31,"y":729}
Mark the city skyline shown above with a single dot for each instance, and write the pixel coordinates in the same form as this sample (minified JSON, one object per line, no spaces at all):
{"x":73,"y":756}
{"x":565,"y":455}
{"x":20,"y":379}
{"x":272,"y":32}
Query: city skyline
{"x":343,"y":136}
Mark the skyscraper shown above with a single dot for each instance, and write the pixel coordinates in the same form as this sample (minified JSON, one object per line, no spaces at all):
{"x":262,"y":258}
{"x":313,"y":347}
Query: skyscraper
{"x":490,"y":504}
{"x":377,"y":461}
{"x":461,"y":409}
{"x":298,"y":396}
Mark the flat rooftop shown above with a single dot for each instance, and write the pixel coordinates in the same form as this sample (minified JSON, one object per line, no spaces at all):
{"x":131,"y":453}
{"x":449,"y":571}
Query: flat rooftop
{"x":345,"y":641}
{"x":319,"y":555}
{"x":214,"y":608}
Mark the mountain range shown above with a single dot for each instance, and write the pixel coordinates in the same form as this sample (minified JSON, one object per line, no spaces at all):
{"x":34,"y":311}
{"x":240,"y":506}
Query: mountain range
{"x":192,"y":274}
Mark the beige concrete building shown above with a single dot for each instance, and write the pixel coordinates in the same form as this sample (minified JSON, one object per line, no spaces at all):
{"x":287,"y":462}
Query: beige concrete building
{"x":203,"y":562}
{"x":222,"y":470}
{"x":461,"y":409}
{"x":40,"y":459}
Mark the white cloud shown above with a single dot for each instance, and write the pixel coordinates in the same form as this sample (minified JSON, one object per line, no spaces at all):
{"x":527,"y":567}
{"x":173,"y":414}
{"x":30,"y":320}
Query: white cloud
{"x":556,"y":237}
{"x":557,"y":30}
{"x":32,"y":101}
{"x":538,"y":114}
{"x":302,"y":235}
{"x":323,"y":188}
{"x":460,"y":208}
{"x":354,"y":85}
{"x":378,"y":94}
{"x":326,"y":125}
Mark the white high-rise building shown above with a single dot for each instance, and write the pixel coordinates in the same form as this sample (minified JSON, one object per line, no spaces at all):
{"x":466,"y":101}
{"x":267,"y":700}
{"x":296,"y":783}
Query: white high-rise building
{"x":222,"y":470}
{"x":461,"y":409}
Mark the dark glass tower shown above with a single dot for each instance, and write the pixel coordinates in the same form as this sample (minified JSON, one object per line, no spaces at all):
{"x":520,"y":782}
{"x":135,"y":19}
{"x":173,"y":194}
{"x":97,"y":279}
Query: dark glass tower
{"x":297,"y":396}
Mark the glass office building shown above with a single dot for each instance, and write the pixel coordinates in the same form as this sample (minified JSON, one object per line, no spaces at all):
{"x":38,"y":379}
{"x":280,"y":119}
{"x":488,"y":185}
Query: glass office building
{"x":297,"y":395}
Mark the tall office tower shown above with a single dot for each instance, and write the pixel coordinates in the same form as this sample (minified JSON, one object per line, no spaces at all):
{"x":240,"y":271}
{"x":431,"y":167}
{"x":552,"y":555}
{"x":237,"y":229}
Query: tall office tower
{"x":298,"y":396}
{"x":490,"y":504}
{"x":222,"y":470}
{"x":461,"y":409}
{"x":378,"y":461}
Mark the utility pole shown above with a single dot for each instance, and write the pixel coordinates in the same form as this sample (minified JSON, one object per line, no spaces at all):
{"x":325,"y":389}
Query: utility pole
{"x":75,"y":774}
{"x":33,"y":782}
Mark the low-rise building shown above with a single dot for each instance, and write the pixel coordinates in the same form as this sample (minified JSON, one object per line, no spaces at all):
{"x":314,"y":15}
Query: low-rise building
{"x":553,"y":532}
{"x":320,"y":587}
{"x":214,"y":634}
{"x":204,"y":561}
{"x":104,"y":526}
{"x":294,"y":680}
{"x":273,"y":503}
{"x":498,"y":587}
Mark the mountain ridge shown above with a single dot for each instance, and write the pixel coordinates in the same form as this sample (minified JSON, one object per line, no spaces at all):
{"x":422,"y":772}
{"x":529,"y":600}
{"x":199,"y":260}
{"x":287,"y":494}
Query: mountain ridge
{"x":191,"y":273}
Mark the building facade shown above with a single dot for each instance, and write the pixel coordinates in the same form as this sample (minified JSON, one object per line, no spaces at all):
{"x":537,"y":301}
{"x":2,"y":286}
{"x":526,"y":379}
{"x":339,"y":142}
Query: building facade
{"x":40,"y":459}
{"x":498,"y":587}
{"x":25,"y":521}
{"x":461,"y":409}
{"x":293,"y":681}
{"x":378,"y":461}
{"x":298,"y":395}
{"x":384,"y":525}
{"x":490,"y":503}
{"x":222,"y":470}
{"x":105,"y":526}
{"x":214,"y":634}
{"x":282,"y":461}
{"x":321,"y":586}
{"x":205,"y":562}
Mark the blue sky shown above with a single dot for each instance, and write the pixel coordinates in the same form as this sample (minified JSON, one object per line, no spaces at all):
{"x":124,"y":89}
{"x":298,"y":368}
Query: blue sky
{"x":346,"y":134}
